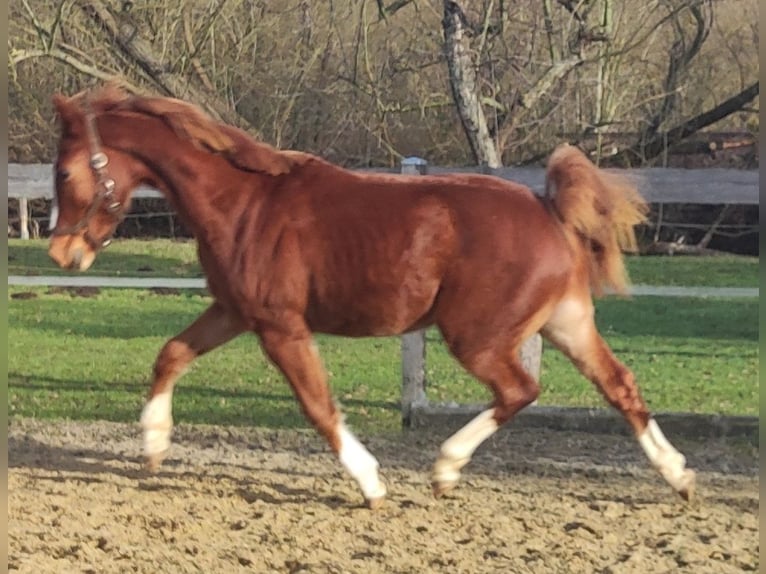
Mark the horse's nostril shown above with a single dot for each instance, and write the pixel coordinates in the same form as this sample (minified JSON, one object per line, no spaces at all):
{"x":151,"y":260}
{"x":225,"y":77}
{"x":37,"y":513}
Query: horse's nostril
{"x":76,"y":259}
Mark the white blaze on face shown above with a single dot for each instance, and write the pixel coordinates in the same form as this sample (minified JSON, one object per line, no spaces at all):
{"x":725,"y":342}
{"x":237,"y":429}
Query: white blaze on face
{"x":360,"y":464}
{"x":157,"y":422}
{"x":457,"y":450}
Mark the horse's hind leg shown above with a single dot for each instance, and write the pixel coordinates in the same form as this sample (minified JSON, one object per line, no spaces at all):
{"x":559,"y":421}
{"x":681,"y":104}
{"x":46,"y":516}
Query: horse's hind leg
{"x":572,"y":329}
{"x":513,"y":389}
{"x":291,"y":347}
{"x":210,"y":330}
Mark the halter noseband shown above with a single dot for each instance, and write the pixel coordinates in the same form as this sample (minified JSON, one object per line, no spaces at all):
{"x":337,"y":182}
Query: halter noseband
{"x":104,"y":186}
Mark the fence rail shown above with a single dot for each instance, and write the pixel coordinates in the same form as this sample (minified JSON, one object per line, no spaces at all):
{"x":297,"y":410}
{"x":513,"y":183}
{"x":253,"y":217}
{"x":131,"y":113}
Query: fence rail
{"x":658,"y":185}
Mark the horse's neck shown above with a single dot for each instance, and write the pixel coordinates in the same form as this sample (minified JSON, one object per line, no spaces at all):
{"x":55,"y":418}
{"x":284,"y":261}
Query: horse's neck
{"x":209,"y":207}
{"x":200,"y":186}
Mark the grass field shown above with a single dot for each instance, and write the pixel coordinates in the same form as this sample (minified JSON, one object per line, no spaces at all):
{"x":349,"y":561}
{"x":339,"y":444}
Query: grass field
{"x":90,"y":358}
{"x":127,"y":257}
{"x":167,"y":258}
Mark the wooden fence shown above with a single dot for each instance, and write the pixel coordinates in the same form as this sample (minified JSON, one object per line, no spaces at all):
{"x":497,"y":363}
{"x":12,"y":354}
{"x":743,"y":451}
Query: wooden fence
{"x":658,"y":185}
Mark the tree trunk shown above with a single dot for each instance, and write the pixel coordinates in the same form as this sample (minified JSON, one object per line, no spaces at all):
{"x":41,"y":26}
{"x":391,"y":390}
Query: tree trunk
{"x":466,"y":93}
{"x":465,"y":89}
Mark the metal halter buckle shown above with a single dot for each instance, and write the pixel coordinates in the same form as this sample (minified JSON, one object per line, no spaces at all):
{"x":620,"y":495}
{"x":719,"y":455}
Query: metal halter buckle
{"x":99,"y":160}
{"x":114,"y":206}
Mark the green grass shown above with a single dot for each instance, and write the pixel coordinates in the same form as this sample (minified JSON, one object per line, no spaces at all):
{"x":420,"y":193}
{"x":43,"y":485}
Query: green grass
{"x":91,"y":358}
{"x":126,"y":257}
{"x":716,"y":271}
{"x":167,"y":258}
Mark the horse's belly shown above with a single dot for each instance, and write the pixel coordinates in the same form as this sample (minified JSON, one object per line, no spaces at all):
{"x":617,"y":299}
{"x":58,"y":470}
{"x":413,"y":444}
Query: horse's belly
{"x":383,"y":281}
{"x":381,"y":310}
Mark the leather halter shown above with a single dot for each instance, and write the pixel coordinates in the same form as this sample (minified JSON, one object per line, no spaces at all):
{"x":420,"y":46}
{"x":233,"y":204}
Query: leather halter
{"x":104,"y":189}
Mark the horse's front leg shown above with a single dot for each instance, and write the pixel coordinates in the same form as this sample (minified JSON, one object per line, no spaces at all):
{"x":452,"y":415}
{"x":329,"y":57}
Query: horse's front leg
{"x":211,"y":329}
{"x":293,"y":350}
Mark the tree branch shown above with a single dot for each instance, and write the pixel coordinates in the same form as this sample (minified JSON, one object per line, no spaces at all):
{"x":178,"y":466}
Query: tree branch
{"x":141,"y":52}
{"x":19,"y":55}
{"x":680,"y":58}
{"x":543,"y":85}
{"x":385,"y":11}
{"x":655,"y":146}
{"x":192,"y":50}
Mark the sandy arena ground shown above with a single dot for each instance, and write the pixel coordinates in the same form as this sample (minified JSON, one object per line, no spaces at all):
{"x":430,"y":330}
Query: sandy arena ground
{"x":254,"y":500}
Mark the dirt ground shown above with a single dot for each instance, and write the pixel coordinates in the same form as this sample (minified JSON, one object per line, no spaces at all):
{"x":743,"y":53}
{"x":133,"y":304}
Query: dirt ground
{"x":254,"y":500}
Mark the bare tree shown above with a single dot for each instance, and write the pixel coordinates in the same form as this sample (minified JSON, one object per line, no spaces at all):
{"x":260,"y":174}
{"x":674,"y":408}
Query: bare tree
{"x":365,"y":83}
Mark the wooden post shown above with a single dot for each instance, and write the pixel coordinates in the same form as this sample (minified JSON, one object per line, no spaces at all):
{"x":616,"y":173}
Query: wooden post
{"x":413,"y":344}
{"x":531,"y":356}
{"x":24,"y":218}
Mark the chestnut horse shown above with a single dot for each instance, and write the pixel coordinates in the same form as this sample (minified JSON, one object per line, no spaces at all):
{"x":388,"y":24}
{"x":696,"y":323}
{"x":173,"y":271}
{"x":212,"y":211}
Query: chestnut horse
{"x":292,"y":245}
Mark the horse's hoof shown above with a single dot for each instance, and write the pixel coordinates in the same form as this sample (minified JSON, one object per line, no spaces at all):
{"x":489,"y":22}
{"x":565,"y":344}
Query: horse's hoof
{"x":688,"y":482}
{"x":375,"y":503}
{"x":441,"y":488}
{"x":152,"y":462}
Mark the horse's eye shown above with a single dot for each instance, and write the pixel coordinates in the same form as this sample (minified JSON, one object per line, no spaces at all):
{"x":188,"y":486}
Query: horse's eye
{"x":63,"y":174}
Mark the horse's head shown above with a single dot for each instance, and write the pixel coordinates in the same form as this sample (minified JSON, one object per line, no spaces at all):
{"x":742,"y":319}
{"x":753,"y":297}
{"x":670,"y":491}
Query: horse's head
{"x":103,"y":136}
{"x":93,"y":183}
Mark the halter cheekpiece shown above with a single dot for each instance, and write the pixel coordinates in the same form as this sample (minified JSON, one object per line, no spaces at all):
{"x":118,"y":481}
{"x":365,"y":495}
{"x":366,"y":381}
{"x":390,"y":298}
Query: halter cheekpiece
{"x":105,"y":186}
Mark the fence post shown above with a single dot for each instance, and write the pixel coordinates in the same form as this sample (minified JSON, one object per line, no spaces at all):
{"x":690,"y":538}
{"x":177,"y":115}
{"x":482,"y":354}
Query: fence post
{"x":413,"y":344}
{"x":24,"y":218}
{"x":531,"y":354}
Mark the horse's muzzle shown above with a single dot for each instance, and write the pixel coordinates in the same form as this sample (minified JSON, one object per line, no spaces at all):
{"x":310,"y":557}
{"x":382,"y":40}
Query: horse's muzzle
{"x":71,"y":252}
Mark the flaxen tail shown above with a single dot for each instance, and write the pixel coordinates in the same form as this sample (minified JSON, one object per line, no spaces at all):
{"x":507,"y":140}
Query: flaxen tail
{"x":601,"y":208}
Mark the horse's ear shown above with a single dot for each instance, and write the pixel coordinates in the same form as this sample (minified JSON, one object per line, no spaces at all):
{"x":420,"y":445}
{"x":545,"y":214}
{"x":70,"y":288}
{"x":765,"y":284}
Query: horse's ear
{"x":61,"y":104}
{"x":67,"y":111}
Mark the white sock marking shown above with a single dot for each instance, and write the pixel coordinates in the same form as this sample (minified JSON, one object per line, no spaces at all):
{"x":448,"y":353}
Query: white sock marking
{"x":457,"y":450}
{"x":360,"y":464}
{"x":663,"y":456}
{"x":157,"y":422}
